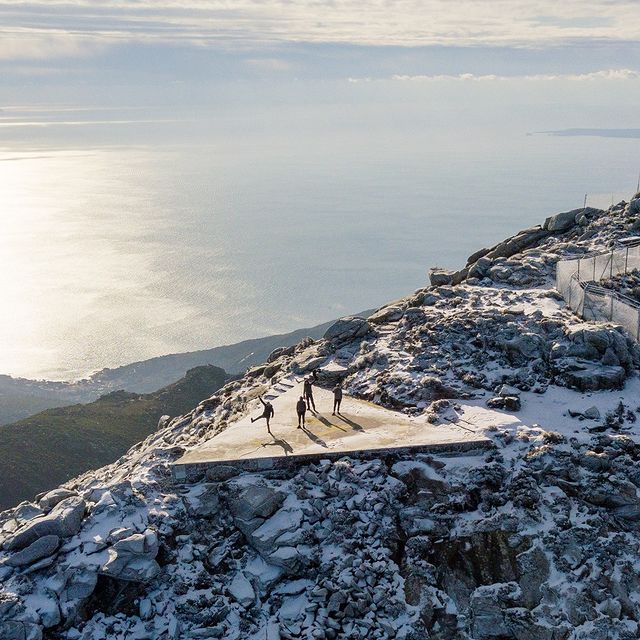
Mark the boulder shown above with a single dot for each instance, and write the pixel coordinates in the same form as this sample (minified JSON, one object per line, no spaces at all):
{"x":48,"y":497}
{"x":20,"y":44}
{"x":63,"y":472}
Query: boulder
{"x":392,"y":313}
{"x":241,"y":590}
{"x":568,"y":219}
{"x":439,"y":277}
{"x":52,"y":498}
{"x":562,"y":221}
{"x":480,"y":267}
{"x":283,"y":521}
{"x":133,"y":559}
{"x":592,"y":413}
{"x":533,"y":572}
{"x":18,"y":630}
{"x":203,"y":501}
{"x":521,"y":241}
{"x":509,"y":403}
{"x":487,"y":607}
{"x":524,"y":348}
{"x":27,"y":511}
{"x":64,"y":520}
{"x":347,"y":329}
{"x":80,"y":583}
{"x":594,"y":378}
{"x":251,"y":504}
{"x":41,"y":548}
{"x":281,"y":351}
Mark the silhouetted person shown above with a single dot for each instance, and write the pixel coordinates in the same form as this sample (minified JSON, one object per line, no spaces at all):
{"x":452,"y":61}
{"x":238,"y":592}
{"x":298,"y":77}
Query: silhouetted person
{"x":308,"y":393}
{"x":267,"y":413}
{"x":337,"y":398}
{"x":301,"y":409}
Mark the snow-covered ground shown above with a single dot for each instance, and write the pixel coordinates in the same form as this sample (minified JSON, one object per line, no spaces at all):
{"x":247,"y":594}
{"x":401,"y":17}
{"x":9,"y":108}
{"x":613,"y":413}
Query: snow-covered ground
{"x":536,"y":538}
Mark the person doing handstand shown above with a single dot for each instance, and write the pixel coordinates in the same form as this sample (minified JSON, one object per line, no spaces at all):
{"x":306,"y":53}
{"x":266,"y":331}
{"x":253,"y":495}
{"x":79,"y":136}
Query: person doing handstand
{"x":267,"y":412}
{"x":337,"y":398}
{"x":301,"y":409}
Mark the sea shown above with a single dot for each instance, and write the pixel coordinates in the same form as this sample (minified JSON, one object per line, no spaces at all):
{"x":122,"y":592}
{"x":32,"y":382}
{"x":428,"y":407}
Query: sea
{"x":132,"y":231}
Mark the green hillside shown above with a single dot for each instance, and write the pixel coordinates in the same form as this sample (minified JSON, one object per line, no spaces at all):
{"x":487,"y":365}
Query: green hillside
{"x":44,"y":450}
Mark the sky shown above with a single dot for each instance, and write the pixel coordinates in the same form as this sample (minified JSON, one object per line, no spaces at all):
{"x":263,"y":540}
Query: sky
{"x":158,"y":51}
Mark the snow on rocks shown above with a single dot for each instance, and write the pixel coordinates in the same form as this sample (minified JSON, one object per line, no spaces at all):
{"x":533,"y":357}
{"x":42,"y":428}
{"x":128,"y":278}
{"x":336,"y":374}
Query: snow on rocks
{"x":533,"y":539}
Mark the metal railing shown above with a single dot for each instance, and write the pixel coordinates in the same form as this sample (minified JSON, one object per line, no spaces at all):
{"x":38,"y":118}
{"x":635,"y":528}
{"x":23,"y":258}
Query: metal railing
{"x":577,"y":281}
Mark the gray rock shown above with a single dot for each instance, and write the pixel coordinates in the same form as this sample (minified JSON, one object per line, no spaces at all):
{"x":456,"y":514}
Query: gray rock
{"x":568,"y":219}
{"x":133,"y":558}
{"x":610,"y":359}
{"x":440,"y":277}
{"x":281,"y":351}
{"x":516,"y":244}
{"x":594,"y":378}
{"x":18,"y":630}
{"x":80,"y":582}
{"x":51,"y":499}
{"x":480,"y":267}
{"x":250,"y":505}
{"x":64,"y":520}
{"x":286,"y":557}
{"x":41,"y":548}
{"x":592,"y":413}
{"x":283,"y":521}
{"x":533,"y":570}
{"x":562,"y":221}
{"x":523,"y":348}
{"x":206,"y":503}
{"x":242,"y":590}
{"x":487,"y":606}
{"x":27,"y":511}
{"x":595,"y":462}
{"x":347,"y":329}
{"x":391,"y":313}
{"x":509,"y":403}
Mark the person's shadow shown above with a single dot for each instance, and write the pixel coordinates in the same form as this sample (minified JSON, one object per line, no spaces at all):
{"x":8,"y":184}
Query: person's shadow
{"x":354,"y":425}
{"x":326,"y":422}
{"x":314,"y":438}
{"x":279,"y":442}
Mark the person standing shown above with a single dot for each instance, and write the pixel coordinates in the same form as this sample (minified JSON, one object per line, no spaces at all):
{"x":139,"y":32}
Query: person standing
{"x":308,"y":393}
{"x":301,"y":409}
{"x":337,"y":399}
{"x":267,"y":413}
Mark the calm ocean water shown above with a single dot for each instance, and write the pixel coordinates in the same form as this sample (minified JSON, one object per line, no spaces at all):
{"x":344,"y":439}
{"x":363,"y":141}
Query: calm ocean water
{"x":122,"y":241}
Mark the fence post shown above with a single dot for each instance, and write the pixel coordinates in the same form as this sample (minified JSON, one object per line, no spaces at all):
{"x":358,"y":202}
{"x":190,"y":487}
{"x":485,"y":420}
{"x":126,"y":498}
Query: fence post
{"x":626,"y":261}
{"x":611,"y":266}
{"x":611,"y":312}
{"x":579,"y":261}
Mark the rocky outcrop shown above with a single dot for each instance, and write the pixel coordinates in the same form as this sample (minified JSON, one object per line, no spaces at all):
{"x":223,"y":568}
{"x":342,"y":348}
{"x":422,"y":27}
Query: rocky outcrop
{"x":133,"y":558}
{"x":534,"y":538}
{"x":63,"y":521}
{"x":42,"y":548}
{"x":347,"y":329}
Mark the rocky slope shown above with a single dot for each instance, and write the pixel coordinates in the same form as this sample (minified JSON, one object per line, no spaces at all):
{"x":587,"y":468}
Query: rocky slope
{"x":534,"y":539}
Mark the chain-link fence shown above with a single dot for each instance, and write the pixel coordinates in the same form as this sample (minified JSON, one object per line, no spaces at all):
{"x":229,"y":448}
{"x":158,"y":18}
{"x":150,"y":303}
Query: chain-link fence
{"x":577,"y":281}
